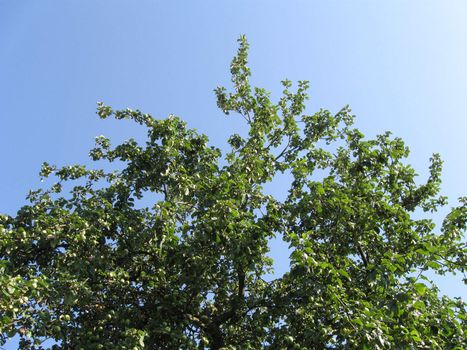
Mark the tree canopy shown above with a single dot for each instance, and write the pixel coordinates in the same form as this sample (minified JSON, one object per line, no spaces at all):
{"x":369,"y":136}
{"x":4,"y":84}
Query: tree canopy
{"x":170,"y":250}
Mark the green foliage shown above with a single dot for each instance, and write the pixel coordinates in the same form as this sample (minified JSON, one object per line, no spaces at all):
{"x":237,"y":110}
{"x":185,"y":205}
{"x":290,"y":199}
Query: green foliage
{"x":170,"y":252}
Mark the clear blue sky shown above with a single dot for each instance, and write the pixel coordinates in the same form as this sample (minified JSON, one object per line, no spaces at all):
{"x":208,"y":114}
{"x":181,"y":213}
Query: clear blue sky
{"x":401,"y":65}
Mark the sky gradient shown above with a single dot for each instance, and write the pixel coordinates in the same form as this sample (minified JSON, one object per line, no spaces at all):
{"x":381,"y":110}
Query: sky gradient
{"x":400,"y":65}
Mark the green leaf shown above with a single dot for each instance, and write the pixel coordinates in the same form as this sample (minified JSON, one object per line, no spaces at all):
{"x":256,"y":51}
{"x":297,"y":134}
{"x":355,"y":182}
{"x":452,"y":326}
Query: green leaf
{"x":420,"y":288}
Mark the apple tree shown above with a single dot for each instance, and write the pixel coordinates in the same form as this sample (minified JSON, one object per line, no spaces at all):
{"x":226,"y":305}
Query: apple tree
{"x":169,"y":250}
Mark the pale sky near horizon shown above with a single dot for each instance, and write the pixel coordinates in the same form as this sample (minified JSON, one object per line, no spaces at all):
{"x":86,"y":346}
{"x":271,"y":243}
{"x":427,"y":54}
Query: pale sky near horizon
{"x":400,"y":65}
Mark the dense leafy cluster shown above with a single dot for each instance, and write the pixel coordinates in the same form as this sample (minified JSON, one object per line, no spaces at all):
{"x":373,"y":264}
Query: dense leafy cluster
{"x":170,"y":250}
